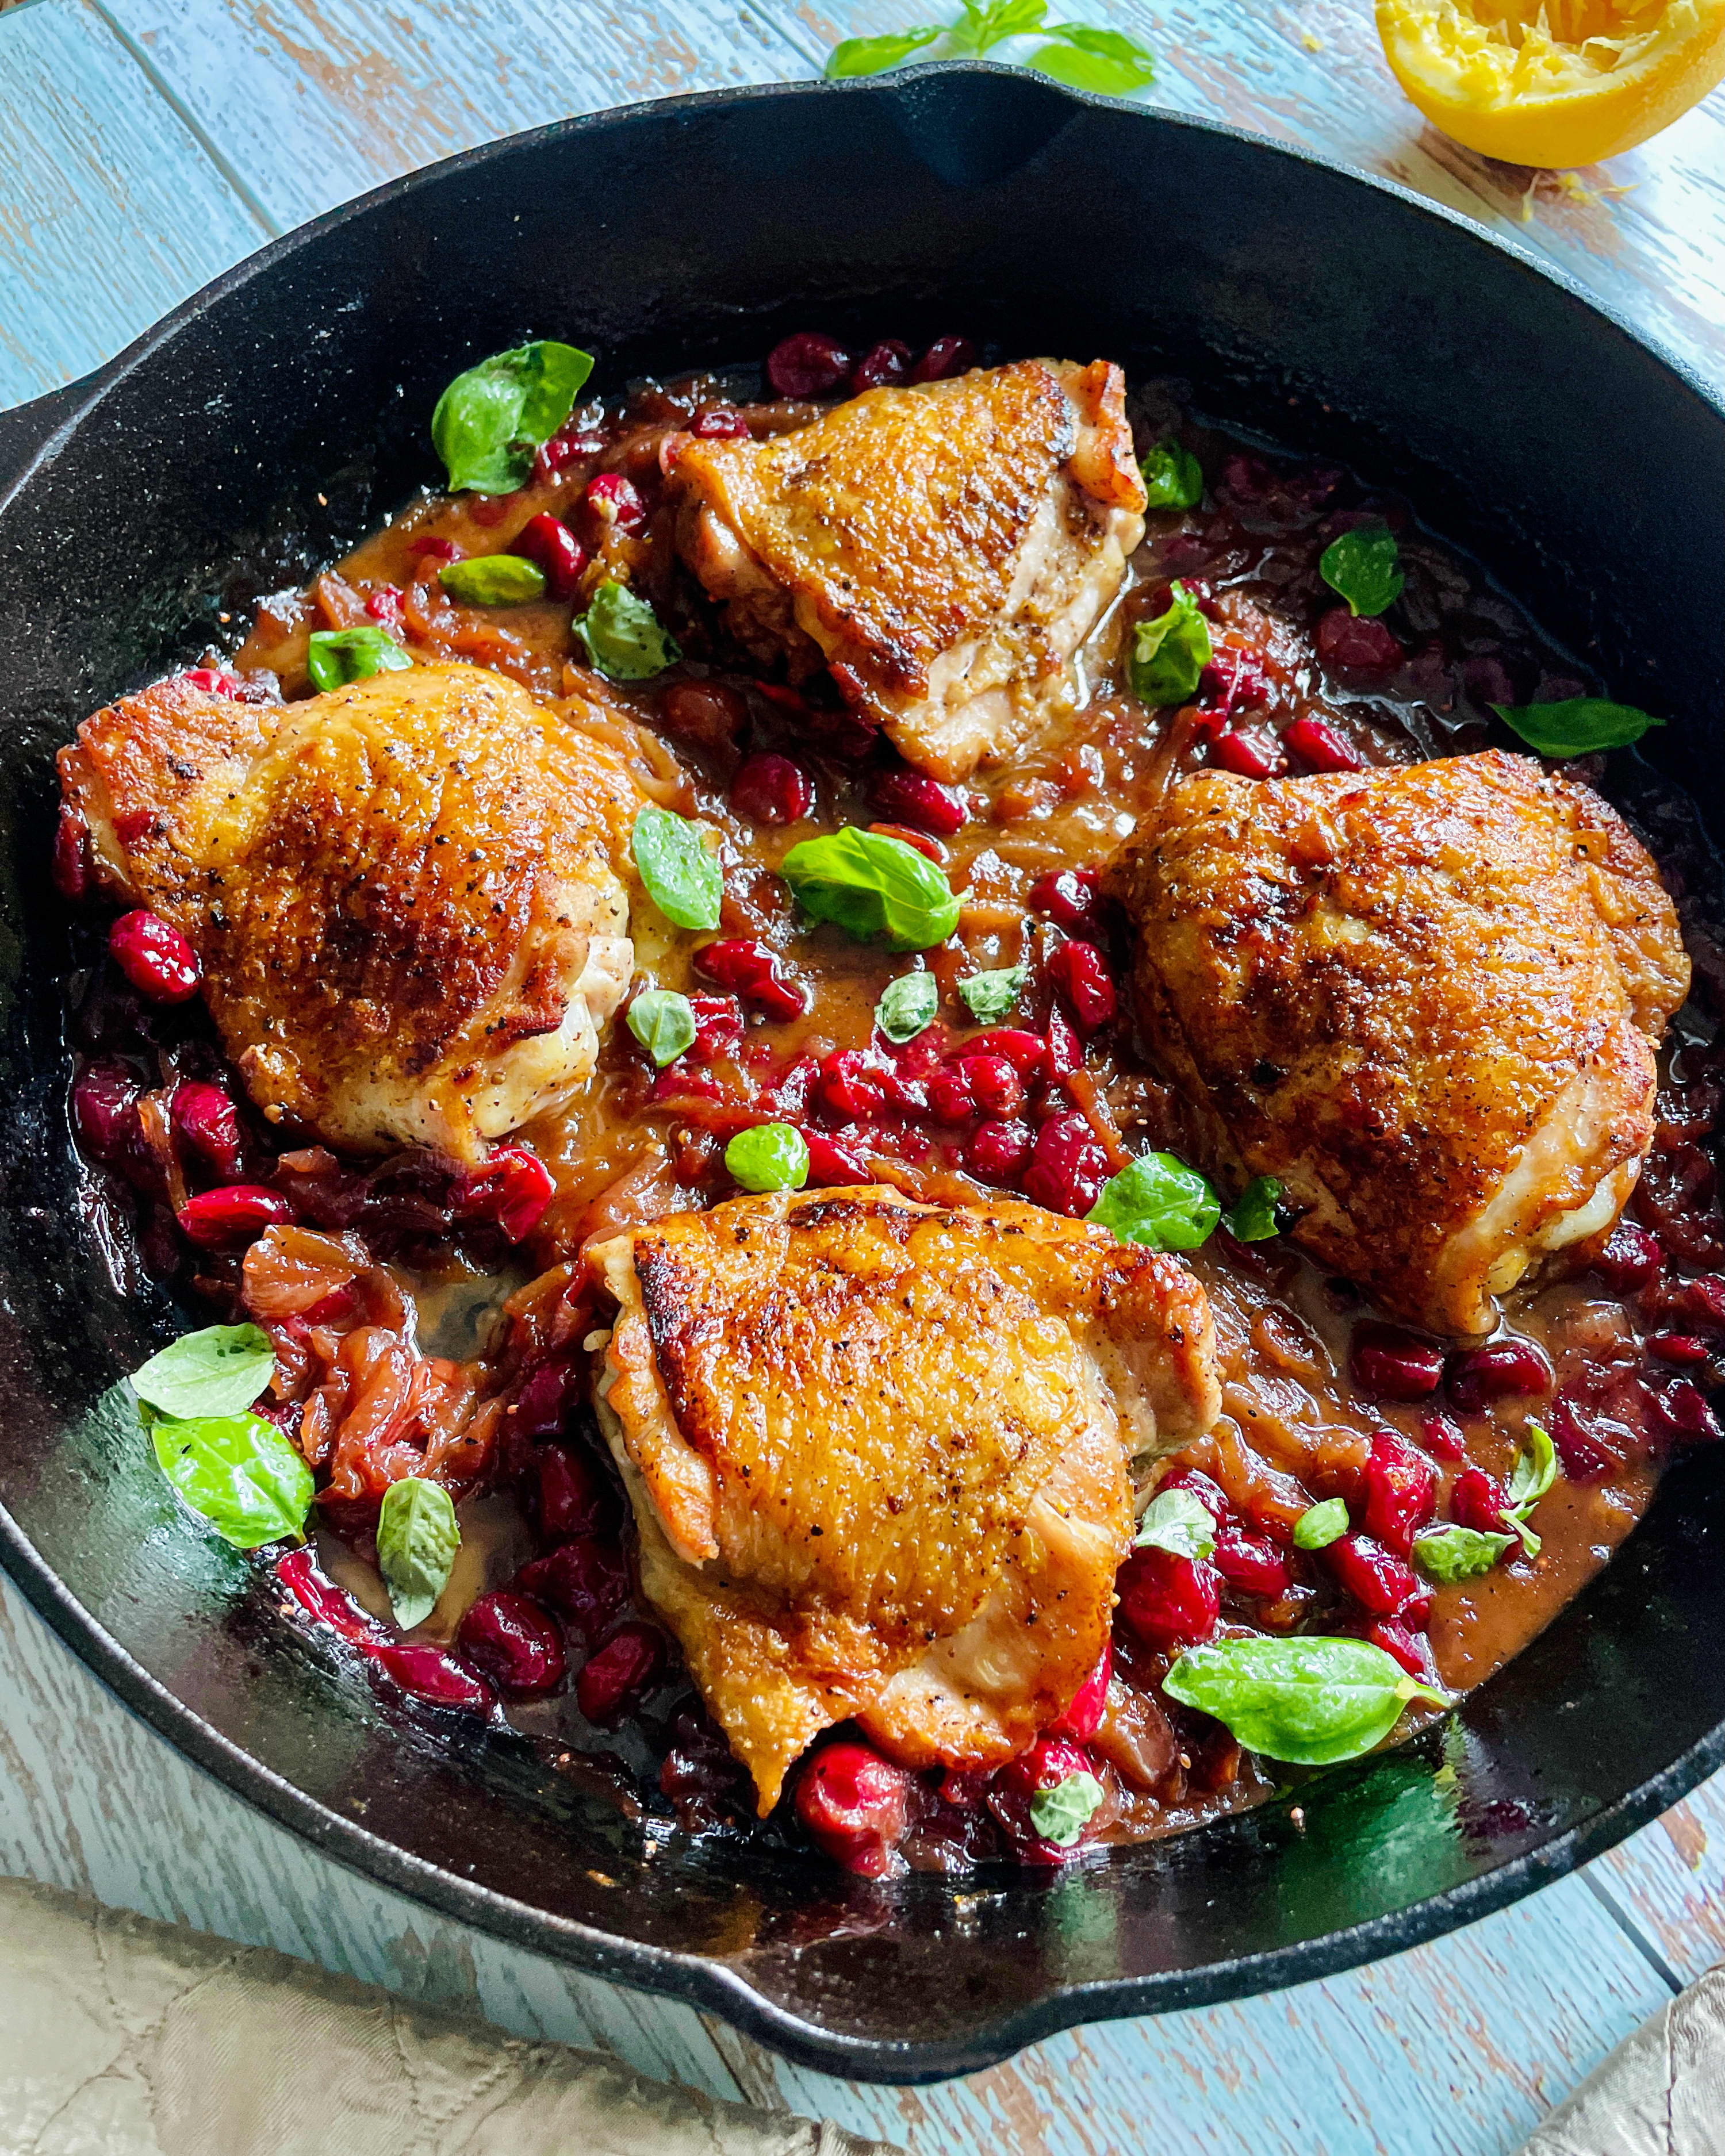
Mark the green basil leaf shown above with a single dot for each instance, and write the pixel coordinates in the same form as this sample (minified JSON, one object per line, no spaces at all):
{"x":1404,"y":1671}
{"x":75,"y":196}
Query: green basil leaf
{"x":493,"y":580}
{"x":870,"y":885}
{"x":664,"y":1023}
{"x":417,"y":1537}
{"x":625,"y":639}
{"x":988,"y":25}
{"x":989,"y":997}
{"x":1159,"y":1202}
{"x":489,"y":421}
{"x":239,"y":1472}
{"x":1449,"y":1554}
{"x":1169,"y":653}
{"x":771,"y":1157}
{"x":1577,"y":727}
{"x":874,"y":55}
{"x":220,"y":1371}
{"x":1106,"y":62}
{"x":1311,"y":1701}
{"x":1320,"y":1525}
{"x":1177,"y":1521}
{"x":336,"y":656}
{"x":682,"y":877}
{"x":907,"y":1005}
{"x":1364,"y":567}
{"x":1173,"y":478}
{"x":1253,"y":1216}
{"x":1535,"y":1471}
{"x":1061,"y":1815}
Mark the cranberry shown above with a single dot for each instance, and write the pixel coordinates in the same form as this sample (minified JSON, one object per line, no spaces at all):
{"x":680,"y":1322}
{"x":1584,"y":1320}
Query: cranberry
{"x":547,"y":540}
{"x":710,"y":714}
{"x":1629,"y":1259}
{"x":1497,"y":1372}
{"x":856,"y":1807}
{"x":513,"y":1188}
{"x":154,"y":956}
{"x":586,"y":1580}
{"x":881,"y":366}
{"x":1442,"y":1438}
{"x":573,"y":1499}
{"x":994,"y":1084}
{"x":1682,"y":1407}
{"x":1064,"y":1052}
{"x":611,"y":499}
{"x":429,"y":545}
{"x":238,"y":1212}
{"x":1167,"y":1601}
{"x":719,"y":422}
{"x":1393,"y":1636}
{"x":1682,"y":1349}
{"x":431,"y":1673}
{"x":104,"y":1112}
{"x":1049,"y":1761}
{"x":771,"y":789}
{"x":1390,"y":1361}
{"x":1072,"y":899}
{"x":213,"y":681}
{"x":718,"y":1027}
{"x":757,"y":973}
{"x":1478,"y":1500}
{"x":1207,"y":1492}
{"x":1400,"y":1488}
{"x":946,"y":356}
{"x":1083,"y":1713}
{"x":831,"y":1165}
{"x":70,"y":866}
{"x":207,"y":1123}
{"x":998,"y":1151}
{"x":850,"y":1091}
{"x":1081,"y":977}
{"x":1584,"y":1457}
{"x":1024,"y":1051}
{"x":1375,"y":1577}
{"x":1068,"y":1167}
{"x":950,"y":1099}
{"x":1232,"y":677}
{"x":1249,"y":755}
{"x":322,"y":1599}
{"x":512,"y":1641}
{"x":806,"y":365}
{"x":1321,"y":747}
{"x":623,"y":1668}
{"x":549,"y":1395}
{"x":388,"y":604}
{"x":1250,"y":1562}
{"x":1358,"y":644}
{"x":906,"y":796}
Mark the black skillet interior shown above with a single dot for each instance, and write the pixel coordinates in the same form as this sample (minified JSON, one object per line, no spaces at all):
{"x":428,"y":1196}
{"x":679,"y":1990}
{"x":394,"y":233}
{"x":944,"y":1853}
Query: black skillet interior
{"x":277,"y":415}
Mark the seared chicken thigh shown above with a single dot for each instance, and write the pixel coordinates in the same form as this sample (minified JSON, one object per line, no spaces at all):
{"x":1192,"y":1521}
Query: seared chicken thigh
{"x":945,"y":548}
{"x":401,"y":893}
{"x":1425,"y":997}
{"x":878,"y":1453}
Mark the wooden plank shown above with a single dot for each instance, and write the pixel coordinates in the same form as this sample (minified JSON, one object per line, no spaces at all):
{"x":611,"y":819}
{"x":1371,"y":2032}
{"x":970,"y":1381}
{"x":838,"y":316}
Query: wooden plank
{"x":111,"y":212}
{"x":1668,"y":1884}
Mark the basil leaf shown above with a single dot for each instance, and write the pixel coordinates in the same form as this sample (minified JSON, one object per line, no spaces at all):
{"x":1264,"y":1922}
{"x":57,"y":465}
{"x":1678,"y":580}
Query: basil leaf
{"x":682,"y":878}
{"x":625,"y":638}
{"x":1577,"y":727}
{"x":1169,"y":653}
{"x":1173,"y":477}
{"x":1320,"y":1525}
{"x":1061,"y":1815}
{"x":1179,"y":1522}
{"x":220,"y":1371}
{"x":493,"y":580}
{"x":1449,"y":1554}
{"x":874,"y":55}
{"x":870,"y":885}
{"x":1159,"y":1202}
{"x":1364,"y":567}
{"x":985,"y":26}
{"x":1311,"y":1701}
{"x":664,"y":1023}
{"x":417,"y":1537}
{"x":907,"y":1005}
{"x":1535,"y":1471}
{"x":334,"y":657}
{"x":489,"y":421}
{"x":239,"y":1472}
{"x":1107,"y":62}
{"x":771,"y":1157}
{"x":988,"y":997}
{"x":1253,"y":1216}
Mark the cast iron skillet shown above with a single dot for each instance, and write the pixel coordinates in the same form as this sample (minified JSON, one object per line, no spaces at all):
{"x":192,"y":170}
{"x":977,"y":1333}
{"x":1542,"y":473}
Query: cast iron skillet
{"x":266,"y":424}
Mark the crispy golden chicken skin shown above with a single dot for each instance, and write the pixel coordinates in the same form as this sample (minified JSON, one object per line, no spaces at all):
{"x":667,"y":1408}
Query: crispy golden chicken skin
{"x":944,"y":548}
{"x":878,"y":1457}
{"x":1426,"y":998}
{"x":402,"y":892}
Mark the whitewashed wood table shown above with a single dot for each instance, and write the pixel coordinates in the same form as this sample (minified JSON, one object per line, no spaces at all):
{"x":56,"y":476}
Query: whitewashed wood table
{"x":145,"y":145}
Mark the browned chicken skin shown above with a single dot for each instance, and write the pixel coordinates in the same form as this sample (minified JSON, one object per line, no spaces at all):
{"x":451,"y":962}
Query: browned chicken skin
{"x":878,"y":1453}
{"x":1425,"y":997}
{"x":401,"y":893}
{"x":945,"y":548}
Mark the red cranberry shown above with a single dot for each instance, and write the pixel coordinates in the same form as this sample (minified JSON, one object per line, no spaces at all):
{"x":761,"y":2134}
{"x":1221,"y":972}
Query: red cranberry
{"x":1400,"y":1488}
{"x":1024,"y":1051}
{"x":771,"y":789}
{"x":1084,"y":1709}
{"x":998,"y":1151}
{"x":1389,"y":1361}
{"x":994,"y":1084}
{"x":1499,"y":1371}
{"x":1081,"y":977}
{"x":213,"y":681}
{"x":1359,"y":644}
{"x":1442,"y":1438}
{"x":1698,"y":1304}
{"x":573,"y":1499}
{"x":207,"y":1123}
{"x":950,"y":1099}
{"x":1250,"y":1562}
{"x":1681,"y":1349}
{"x":906,"y":796}
{"x":511,"y":1641}
{"x":1167,"y":1601}
{"x":1584,"y":1457}
{"x":322,"y":1599}
{"x":1411,"y":1651}
{"x":881,"y":366}
{"x":70,"y":865}
{"x":1072,"y":899}
{"x":586,"y":1580}
{"x":154,"y":956}
{"x":833,"y":1166}
{"x":1478,"y":1500}
{"x":1068,"y":1167}
{"x":856,"y":1807}
{"x":611,"y":499}
{"x":1232,"y":677}
{"x":849,"y":1089}
{"x":1321,"y":747}
{"x":718,"y":1027}
{"x":719,"y":422}
{"x":387,"y":605}
{"x":549,"y":1395}
{"x":621,"y":1670}
{"x":1065,"y":1054}
{"x":513,"y":1188}
{"x":1049,"y":1761}
{"x":1375,"y":1577}
{"x":757,"y":973}
{"x":1682,"y":1407}
{"x":1629,"y":1259}
{"x":1249,"y":755}
{"x":430,"y":1673}
{"x":104,"y":1112}
{"x":1207,"y":1494}
{"x":946,"y":356}
{"x":432,"y":548}
{"x":547,"y":540}
{"x":806,"y":365}
{"x":238,"y":1212}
